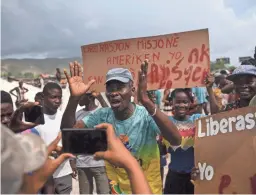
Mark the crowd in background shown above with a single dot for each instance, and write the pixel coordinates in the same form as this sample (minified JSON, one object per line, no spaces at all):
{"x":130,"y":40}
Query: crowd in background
{"x":150,"y":127}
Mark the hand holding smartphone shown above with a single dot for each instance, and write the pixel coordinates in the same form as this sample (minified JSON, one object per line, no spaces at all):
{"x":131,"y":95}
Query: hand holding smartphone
{"x":34,"y":114}
{"x":85,"y":141}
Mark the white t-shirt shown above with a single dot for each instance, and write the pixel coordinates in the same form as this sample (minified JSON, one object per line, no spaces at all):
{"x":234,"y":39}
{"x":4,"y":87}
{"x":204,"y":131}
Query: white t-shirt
{"x":48,"y":132}
{"x":84,"y":161}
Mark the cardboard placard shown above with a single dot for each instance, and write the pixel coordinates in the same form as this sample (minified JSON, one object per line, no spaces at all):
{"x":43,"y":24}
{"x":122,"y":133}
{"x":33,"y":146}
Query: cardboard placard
{"x":175,"y":60}
{"x":225,"y":152}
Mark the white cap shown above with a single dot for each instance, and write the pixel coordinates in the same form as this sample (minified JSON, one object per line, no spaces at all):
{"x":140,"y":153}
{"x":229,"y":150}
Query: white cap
{"x":20,"y":154}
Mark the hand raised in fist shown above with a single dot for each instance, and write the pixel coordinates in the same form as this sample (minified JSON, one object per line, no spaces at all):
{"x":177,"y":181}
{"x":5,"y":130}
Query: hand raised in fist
{"x":75,"y":80}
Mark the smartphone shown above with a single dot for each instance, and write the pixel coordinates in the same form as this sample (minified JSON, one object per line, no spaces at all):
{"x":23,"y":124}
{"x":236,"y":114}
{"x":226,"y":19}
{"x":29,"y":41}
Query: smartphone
{"x":34,"y":115}
{"x":84,"y":141}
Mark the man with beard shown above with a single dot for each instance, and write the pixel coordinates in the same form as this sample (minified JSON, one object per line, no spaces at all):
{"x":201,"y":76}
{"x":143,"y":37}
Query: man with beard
{"x":137,"y":126}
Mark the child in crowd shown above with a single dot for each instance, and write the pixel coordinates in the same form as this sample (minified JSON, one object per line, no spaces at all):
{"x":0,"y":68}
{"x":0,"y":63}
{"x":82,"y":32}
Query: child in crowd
{"x":182,"y":157}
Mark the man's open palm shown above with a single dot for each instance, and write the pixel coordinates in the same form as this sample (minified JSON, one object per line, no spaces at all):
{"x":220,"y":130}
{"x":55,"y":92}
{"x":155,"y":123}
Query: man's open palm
{"x":75,"y":80}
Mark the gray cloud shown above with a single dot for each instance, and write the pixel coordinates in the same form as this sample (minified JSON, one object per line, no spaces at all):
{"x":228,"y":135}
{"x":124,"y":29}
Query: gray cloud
{"x":240,"y":7}
{"x":58,"y":28}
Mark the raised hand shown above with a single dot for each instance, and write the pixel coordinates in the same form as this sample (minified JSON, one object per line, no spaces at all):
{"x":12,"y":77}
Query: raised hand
{"x":16,"y":123}
{"x":75,"y":80}
{"x":142,"y":85}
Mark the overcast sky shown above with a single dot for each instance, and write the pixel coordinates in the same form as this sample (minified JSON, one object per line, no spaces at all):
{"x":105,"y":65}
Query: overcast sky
{"x":57,"y":28}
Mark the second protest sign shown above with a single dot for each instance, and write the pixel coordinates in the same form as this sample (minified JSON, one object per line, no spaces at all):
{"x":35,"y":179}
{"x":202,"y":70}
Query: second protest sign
{"x":225,"y":153}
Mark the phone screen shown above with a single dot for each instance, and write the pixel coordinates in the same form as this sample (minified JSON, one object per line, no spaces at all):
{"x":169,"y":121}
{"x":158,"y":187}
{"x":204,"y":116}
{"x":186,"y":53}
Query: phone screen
{"x":84,"y":141}
{"x":35,"y":114}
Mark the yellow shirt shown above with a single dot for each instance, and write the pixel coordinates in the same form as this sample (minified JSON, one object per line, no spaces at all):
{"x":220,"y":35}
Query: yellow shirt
{"x":138,"y":134}
{"x":218,"y":96}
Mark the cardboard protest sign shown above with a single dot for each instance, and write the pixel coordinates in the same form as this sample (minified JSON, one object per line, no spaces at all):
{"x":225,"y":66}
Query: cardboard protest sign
{"x":175,"y":60}
{"x":225,"y":152}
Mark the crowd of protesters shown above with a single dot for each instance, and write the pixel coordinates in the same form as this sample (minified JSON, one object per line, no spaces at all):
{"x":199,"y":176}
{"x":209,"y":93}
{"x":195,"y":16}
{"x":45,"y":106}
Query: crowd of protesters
{"x":140,"y":135}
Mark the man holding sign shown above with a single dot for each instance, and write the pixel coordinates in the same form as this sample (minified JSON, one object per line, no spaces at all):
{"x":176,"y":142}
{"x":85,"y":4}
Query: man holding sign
{"x":137,"y":126}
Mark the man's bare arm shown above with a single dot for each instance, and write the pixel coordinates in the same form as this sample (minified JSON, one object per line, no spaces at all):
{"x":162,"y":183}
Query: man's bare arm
{"x":209,"y":81}
{"x":138,"y":181}
{"x":69,"y":116}
{"x":77,"y":88}
{"x":228,"y":88}
{"x":213,"y":102}
{"x":166,"y":126}
{"x":11,"y":92}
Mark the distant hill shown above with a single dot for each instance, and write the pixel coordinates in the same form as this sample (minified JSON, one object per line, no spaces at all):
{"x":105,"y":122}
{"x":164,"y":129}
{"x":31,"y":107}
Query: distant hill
{"x":35,"y":66}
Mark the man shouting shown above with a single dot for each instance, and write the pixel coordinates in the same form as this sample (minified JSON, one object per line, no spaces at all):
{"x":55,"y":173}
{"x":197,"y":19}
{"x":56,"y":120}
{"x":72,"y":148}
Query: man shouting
{"x":137,"y":126}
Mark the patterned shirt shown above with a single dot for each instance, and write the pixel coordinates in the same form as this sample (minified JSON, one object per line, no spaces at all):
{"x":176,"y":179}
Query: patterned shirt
{"x":138,"y":134}
{"x":182,"y":157}
{"x":232,"y":106}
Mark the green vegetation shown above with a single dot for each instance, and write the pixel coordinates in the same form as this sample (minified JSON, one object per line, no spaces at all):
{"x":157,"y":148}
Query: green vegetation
{"x":221,"y":66}
{"x":217,"y":66}
{"x":26,"y":75}
{"x":26,"y":67}
{"x":29,"y":75}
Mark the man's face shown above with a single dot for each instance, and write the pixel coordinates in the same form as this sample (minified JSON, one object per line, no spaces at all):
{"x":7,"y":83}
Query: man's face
{"x":21,"y":84}
{"x":52,"y":99}
{"x":217,"y":80}
{"x":6,"y":113}
{"x":223,"y":80}
{"x":245,"y":86}
{"x":85,"y":100}
{"x":220,"y":80}
{"x":119,"y":94}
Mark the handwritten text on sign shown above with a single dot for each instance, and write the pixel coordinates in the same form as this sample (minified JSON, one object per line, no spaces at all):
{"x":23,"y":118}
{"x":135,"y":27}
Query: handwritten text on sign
{"x":225,"y":152}
{"x":175,"y":60}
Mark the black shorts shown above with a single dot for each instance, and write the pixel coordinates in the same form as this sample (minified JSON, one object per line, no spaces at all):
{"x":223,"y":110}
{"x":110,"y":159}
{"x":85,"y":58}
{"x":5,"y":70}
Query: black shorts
{"x":178,"y":183}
